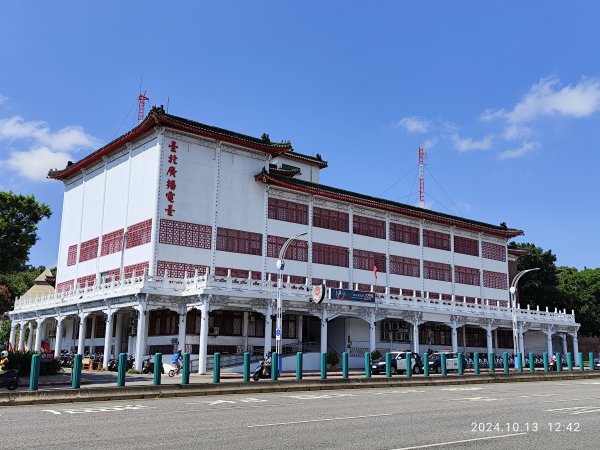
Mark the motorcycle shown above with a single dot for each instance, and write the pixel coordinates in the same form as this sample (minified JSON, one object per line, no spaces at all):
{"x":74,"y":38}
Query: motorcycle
{"x":263,"y":370}
{"x":148,"y":366}
{"x":113,"y":364}
{"x":10,"y":379}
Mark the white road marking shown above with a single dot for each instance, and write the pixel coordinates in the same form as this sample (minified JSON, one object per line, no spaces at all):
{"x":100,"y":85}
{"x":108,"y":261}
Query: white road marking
{"x":462,"y":389}
{"x":440,"y":444}
{"x":316,"y":420}
{"x":408,"y":391}
{"x":477,"y":399}
{"x":100,"y":409}
{"x":319,"y":396}
{"x":576,"y":410}
{"x":538,"y":395}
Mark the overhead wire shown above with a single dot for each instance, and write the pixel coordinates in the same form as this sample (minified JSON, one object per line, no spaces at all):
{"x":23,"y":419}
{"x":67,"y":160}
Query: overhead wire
{"x":444,"y":191}
{"x":398,"y":180}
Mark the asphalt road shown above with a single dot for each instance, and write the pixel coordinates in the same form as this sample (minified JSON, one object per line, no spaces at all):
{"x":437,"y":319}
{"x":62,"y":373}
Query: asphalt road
{"x":561,"y":414}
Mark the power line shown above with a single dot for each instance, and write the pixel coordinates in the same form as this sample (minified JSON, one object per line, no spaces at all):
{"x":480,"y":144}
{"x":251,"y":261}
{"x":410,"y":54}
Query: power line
{"x":444,"y":191}
{"x":398,"y":180}
{"x":447,"y":209}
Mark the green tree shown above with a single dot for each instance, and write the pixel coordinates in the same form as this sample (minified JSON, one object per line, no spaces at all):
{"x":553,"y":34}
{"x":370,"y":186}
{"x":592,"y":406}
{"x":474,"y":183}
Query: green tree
{"x":19,"y":217}
{"x":13,"y":285}
{"x":580,"y":291}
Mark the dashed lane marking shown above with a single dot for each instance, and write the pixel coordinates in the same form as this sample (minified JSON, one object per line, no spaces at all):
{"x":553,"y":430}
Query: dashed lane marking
{"x":319,"y":396}
{"x":317,"y":420}
{"x":462,"y":389}
{"x":408,"y":391}
{"x":575,"y":410}
{"x":477,"y":399}
{"x":538,"y":395}
{"x":440,"y":444}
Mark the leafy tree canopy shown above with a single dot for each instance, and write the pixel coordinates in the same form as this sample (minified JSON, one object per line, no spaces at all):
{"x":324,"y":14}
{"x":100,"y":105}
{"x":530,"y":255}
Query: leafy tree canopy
{"x":580,"y":291}
{"x":13,"y":285}
{"x":19,"y":217}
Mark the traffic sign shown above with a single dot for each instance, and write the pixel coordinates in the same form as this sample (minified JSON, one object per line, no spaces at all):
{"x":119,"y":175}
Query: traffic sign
{"x":278,"y":333}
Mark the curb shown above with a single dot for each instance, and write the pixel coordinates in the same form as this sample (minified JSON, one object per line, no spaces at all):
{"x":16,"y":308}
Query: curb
{"x":177,"y":390}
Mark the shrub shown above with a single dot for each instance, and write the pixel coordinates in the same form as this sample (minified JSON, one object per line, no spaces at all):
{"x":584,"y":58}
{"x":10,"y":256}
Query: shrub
{"x":375,"y":355}
{"x":134,"y":371}
{"x":22,"y":362}
{"x":332,"y":358}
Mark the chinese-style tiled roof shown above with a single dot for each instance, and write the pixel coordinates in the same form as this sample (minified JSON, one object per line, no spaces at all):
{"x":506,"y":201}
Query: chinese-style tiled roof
{"x":286,"y":171}
{"x":518,"y":252}
{"x":158,"y":117}
{"x":385,"y":205}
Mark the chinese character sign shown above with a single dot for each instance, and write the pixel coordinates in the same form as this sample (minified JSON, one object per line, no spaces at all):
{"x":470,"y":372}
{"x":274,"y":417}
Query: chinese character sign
{"x":171,"y":173}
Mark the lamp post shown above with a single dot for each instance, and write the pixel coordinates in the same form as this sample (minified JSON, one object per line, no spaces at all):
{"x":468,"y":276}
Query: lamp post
{"x":513,"y":295}
{"x":280,"y":267}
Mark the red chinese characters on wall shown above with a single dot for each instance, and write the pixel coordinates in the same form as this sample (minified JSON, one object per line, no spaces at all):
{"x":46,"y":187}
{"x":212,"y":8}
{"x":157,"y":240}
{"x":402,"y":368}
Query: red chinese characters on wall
{"x":171,"y":173}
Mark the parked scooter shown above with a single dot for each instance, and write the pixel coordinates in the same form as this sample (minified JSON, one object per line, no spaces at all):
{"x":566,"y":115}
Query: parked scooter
{"x":263,"y":370}
{"x":10,"y":379}
{"x":148,"y":366}
{"x":113,"y":364}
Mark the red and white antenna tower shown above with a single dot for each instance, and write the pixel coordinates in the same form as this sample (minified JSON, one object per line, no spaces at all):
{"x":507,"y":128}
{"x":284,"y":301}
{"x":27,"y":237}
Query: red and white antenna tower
{"x":142,"y":106}
{"x":421,"y":179}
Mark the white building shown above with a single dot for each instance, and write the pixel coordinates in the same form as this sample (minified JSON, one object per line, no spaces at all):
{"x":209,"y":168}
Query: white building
{"x":171,"y":232}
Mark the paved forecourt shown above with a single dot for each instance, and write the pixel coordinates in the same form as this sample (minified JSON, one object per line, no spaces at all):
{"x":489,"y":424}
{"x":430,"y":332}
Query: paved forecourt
{"x":561,"y":414}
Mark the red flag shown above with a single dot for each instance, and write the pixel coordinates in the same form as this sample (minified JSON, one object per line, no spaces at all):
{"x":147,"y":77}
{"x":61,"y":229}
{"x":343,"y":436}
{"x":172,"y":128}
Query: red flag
{"x":375,"y":271}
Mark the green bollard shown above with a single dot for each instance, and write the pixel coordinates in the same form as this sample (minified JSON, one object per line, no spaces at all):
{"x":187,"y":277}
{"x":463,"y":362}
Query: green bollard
{"x":569,"y":361}
{"x":345,"y":365}
{"x":246,"y":376}
{"x":76,"y":373}
{"x":520,"y":362}
{"x":388,"y":365}
{"x":546,"y":365}
{"x":476,"y":363}
{"x":323,"y":366}
{"x":580,"y":360}
{"x":34,"y":373}
{"x":425,"y":364}
{"x":299,"y":366}
{"x":217,"y":367}
{"x":505,"y":361}
{"x":558,"y":363}
{"x":274,"y":366}
{"x":531,"y":363}
{"x":157,"y":368}
{"x":443,"y":364}
{"x":591,"y":356}
{"x":461,"y":368}
{"x":367,"y":365}
{"x":185,"y":367}
{"x":122,"y":369}
{"x":491,"y":363}
{"x":408,"y":365}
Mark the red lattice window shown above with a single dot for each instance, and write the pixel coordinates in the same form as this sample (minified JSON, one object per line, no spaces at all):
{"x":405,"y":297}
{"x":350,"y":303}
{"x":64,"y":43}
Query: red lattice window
{"x":493,"y":251}
{"x":495,"y":280}
{"x":237,"y":241}
{"x":366,"y":260}
{"x":331,"y":255}
{"x":330,"y":219}
{"x":368,"y":226}
{"x":408,"y":292}
{"x":394,"y":291}
{"x":177,"y":269}
{"x":239,"y":273}
{"x":297,"y":250}
{"x":404,"y":233}
{"x":466,"y":275}
{"x":437,"y":271}
{"x":65,"y":286}
{"x":447,"y":297}
{"x":88,"y":250}
{"x":294,"y":279}
{"x":88,"y":280}
{"x":364,"y":287}
{"x":435,"y":239}
{"x":409,"y":267}
{"x":138,"y":268}
{"x":139,"y":234}
{"x":288,"y":211}
{"x":466,"y":246}
{"x":72,"y":255}
{"x":330,"y":283}
{"x":184,"y":233}
{"x":434,"y":295}
{"x":112,"y":242}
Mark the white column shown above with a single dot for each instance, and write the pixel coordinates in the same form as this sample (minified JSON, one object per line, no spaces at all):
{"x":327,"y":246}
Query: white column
{"x":299,"y":330}
{"x":203,"y":338}
{"x":21,"y":335}
{"x":140,"y":338}
{"x":268,"y":329}
{"x":563,"y":337}
{"x":93,"y":333}
{"x":575,"y":346}
{"x":38,"y":336}
{"x":13,"y":334}
{"x":30,"y":337}
{"x":496,"y":340}
{"x":59,"y":325}
{"x":415,"y":326}
{"x":372,"y":341}
{"x":549,"y":342}
{"x":464,"y":336}
{"x":119,"y":333}
{"x":488,"y":336}
{"x":245,"y":330}
{"x":107,"y":337}
{"x":81,"y":339}
{"x":324,"y":331}
{"x":182,"y":325}
{"x":454,"y":327}
{"x":521,"y":339}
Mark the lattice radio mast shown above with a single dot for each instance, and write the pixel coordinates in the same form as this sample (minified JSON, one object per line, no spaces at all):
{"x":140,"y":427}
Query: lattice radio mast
{"x":142,"y":106}
{"x":421,"y":179}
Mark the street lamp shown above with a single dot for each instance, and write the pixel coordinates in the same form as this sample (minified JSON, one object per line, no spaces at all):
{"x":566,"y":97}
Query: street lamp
{"x":280,"y":266}
{"x":513,"y":292}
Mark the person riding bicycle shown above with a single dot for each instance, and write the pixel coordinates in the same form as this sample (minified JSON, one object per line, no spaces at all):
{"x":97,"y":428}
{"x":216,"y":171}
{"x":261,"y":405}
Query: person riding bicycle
{"x":176,"y":359}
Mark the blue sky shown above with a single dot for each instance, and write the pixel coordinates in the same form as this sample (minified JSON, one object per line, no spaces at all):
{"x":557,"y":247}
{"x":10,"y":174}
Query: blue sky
{"x":505,"y":95}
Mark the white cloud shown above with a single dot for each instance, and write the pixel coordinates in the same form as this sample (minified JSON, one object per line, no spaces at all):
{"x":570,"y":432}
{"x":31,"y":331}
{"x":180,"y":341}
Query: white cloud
{"x":413,"y":124}
{"x":464,"y":145}
{"x":525,"y":148}
{"x":430,"y":143}
{"x":548,"y":98}
{"x":3,"y":99}
{"x":39,"y":149}
{"x":512,"y":132}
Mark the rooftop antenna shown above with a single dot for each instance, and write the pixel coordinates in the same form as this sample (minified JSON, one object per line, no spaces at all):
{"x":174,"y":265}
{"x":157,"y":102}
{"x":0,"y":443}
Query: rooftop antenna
{"x":421,"y":177}
{"x":142,"y":106}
